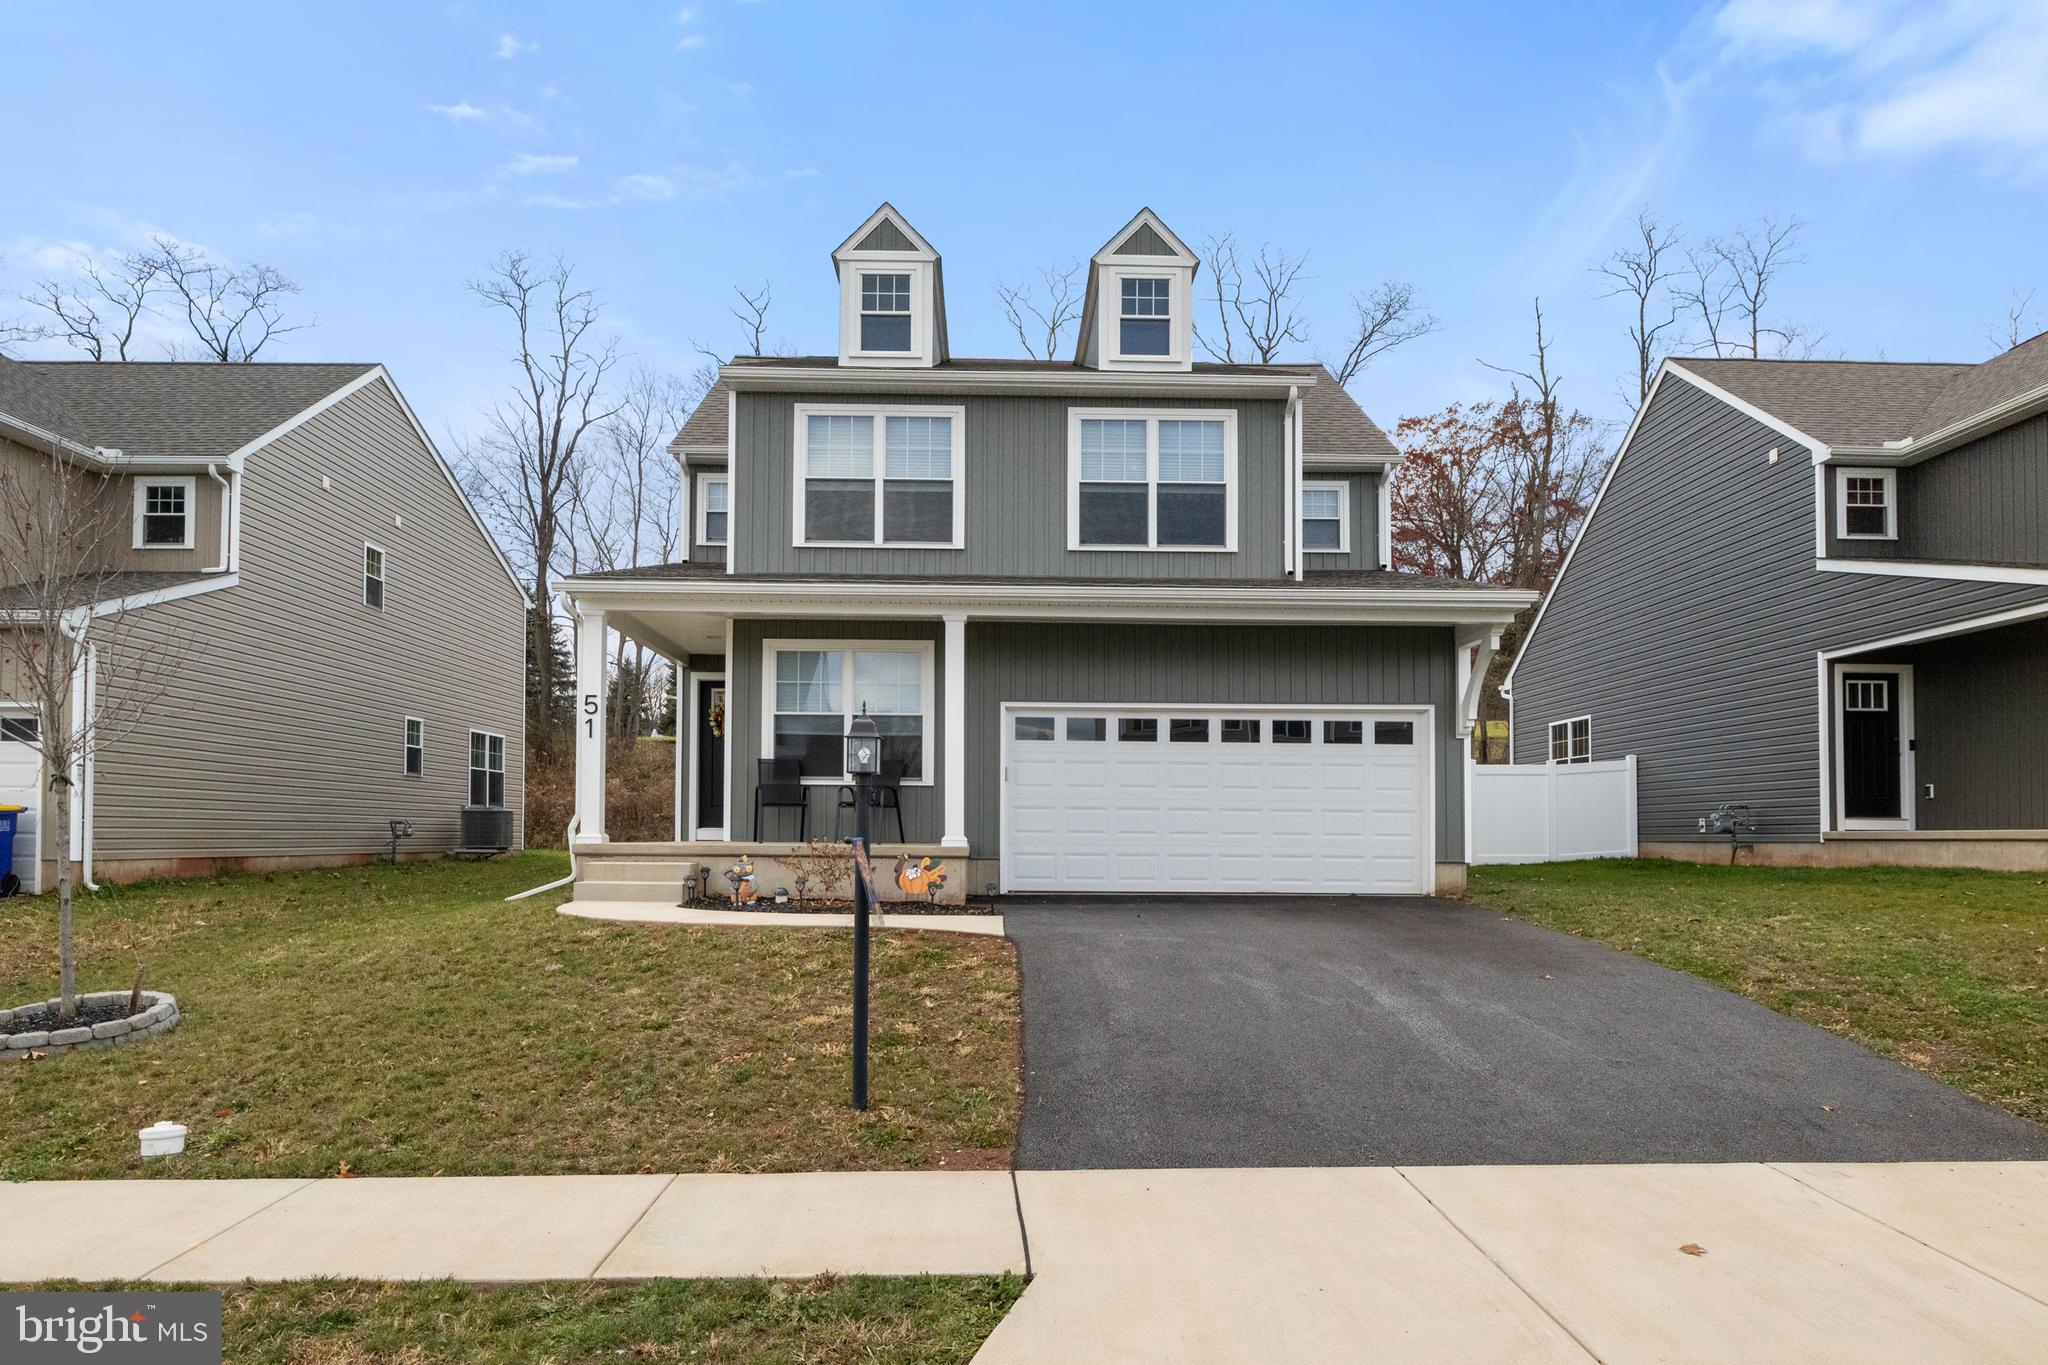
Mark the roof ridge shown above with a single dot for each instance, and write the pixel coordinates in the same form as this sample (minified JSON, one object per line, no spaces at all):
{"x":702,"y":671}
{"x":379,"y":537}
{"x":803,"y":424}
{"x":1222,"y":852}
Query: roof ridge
{"x":1818,"y":360}
{"x":211,"y":364}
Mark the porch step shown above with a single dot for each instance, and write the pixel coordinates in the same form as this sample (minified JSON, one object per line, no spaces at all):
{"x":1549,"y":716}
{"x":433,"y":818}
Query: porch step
{"x":662,"y":892}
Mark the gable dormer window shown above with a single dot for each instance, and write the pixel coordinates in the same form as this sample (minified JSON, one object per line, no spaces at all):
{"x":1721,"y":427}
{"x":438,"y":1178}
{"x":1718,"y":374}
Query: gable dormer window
{"x":884,"y":312}
{"x":1145,"y":325}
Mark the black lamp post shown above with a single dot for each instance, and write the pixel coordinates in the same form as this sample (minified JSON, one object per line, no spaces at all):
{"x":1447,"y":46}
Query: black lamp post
{"x":863,"y":762}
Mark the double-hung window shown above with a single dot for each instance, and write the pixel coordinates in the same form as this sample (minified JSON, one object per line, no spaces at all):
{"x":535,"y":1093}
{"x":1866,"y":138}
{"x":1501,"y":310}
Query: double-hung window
{"x":1571,"y":741}
{"x":714,"y":509}
{"x":373,"y":577}
{"x":885,"y":476}
{"x":486,"y":768}
{"x":884,"y":312}
{"x":1867,"y":504}
{"x":1145,"y":318}
{"x":815,"y":689}
{"x":1152,"y":481}
{"x":1325,"y":518}
{"x":416,"y":746}
{"x":163,"y":513}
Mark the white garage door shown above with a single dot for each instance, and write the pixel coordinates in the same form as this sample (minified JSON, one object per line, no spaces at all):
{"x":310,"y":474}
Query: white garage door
{"x":1232,"y":800}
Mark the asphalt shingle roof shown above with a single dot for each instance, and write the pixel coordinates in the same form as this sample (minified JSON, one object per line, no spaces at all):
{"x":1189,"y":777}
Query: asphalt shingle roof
{"x":177,"y":409}
{"x":1332,"y":421}
{"x":694,"y":571}
{"x":82,"y":589}
{"x":25,"y":398}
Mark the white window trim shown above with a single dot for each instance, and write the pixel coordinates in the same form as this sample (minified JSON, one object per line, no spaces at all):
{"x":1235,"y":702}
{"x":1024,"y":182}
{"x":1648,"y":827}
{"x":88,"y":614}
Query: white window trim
{"x":408,"y":746}
{"x":471,"y":770}
{"x":1890,"y":479}
{"x":704,"y":507}
{"x":927,"y":702}
{"x":862,"y":312}
{"x":1152,"y":417}
{"x":1902,"y":675}
{"x":190,"y":484}
{"x":801,"y":463}
{"x":1551,"y":736}
{"x":383,"y":576}
{"x":854,"y":264}
{"x":1179,"y":319}
{"x":1342,"y":489}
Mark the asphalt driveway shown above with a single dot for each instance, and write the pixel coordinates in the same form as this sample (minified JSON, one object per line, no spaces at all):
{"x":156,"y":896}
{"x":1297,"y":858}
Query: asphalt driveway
{"x":1423,"y":1032}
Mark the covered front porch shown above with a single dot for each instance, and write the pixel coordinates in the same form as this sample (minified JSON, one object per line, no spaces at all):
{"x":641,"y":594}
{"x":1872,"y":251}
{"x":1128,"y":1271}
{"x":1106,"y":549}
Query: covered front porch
{"x":1933,"y":747}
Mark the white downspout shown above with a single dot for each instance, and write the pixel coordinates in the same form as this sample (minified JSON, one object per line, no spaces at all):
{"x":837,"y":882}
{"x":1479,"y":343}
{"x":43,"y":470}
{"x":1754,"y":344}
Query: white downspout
{"x":576,"y":819}
{"x":88,"y":782}
{"x":1290,"y":513}
{"x":1297,"y":461}
{"x":227,"y":521}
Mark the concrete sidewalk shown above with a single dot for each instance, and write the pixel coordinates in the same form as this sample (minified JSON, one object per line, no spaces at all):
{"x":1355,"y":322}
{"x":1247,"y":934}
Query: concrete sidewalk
{"x":1728,"y":1263}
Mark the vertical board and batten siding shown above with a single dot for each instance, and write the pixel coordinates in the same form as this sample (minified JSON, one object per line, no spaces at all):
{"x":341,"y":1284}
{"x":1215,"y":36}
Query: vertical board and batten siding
{"x":1198,"y":664}
{"x":1688,"y":623}
{"x":1981,"y":503}
{"x":282,"y":731}
{"x":694,"y":552}
{"x":923,"y":811}
{"x":1016,"y":490}
{"x":117,"y":499}
{"x":1362,"y":492}
{"x":1978,"y":702}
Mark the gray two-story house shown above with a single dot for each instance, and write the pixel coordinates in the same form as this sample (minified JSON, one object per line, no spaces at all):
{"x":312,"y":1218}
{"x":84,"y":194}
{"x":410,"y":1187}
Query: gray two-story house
{"x":1124,"y":622}
{"x":289,"y":622}
{"x":1818,"y":589}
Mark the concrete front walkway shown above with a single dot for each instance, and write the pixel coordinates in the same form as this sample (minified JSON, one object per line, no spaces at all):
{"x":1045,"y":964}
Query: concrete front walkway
{"x":1747,"y":1263}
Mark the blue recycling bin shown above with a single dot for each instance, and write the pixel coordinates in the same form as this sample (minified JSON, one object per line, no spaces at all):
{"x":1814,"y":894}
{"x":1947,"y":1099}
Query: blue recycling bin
{"x":9,"y":883}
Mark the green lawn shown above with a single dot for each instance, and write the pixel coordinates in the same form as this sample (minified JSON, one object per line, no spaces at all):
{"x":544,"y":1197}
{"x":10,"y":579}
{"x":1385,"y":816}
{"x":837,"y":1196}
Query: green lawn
{"x":916,"y":1321}
{"x":1944,"y":970}
{"x":406,"y":1021}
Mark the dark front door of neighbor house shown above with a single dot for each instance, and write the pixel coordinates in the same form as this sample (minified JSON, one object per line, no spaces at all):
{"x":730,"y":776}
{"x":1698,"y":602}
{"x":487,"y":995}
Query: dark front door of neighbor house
{"x":710,"y":754}
{"x":1870,"y":746}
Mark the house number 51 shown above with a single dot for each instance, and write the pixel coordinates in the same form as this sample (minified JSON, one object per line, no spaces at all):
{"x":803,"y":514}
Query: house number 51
{"x":590,"y":714}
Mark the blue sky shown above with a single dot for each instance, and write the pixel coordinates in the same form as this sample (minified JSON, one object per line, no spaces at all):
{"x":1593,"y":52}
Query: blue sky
{"x":1486,"y":154}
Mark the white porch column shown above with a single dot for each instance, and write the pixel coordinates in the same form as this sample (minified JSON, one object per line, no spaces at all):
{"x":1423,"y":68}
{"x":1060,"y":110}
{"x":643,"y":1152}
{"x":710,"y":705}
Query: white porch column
{"x":590,"y":690}
{"x":954,"y":777}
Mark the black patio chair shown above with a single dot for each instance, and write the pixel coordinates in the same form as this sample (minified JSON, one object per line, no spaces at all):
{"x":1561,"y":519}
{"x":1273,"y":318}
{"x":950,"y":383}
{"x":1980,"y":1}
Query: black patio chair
{"x":780,"y":782}
{"x":888,"y":795}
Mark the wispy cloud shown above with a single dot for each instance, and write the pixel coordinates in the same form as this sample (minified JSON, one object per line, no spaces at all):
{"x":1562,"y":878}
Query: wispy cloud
{"x":510,"y":46}
{"x":647,"y":185}
{"x":541,"y":163}
{"x":697,"y":184}
{"x":1898,"y":79}
{"x":692,"y":41}
{"x":462,"y":111}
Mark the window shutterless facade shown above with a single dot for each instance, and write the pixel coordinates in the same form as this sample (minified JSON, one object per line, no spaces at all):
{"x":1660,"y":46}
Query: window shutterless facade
{"x":1325,"y":518}
{"x":880,"y":476}
{"x":1867,"y":504}
{"x":1139,"y":480}
{"x":714,"y":509}
{"x":814,"y":689}
{"x":486,"y":768}
{"x":164,"y":513}
{"x":373,"y":577}
{"x":1145,"y":319}
{"x":884,"y":312}
{"x":415,"y":746}
{"x":1571,"y":741}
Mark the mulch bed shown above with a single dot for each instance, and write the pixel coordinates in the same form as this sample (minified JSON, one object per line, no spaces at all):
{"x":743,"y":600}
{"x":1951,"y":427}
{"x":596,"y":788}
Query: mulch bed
{"x":814,"y":907}
{"x":31,"y":1019}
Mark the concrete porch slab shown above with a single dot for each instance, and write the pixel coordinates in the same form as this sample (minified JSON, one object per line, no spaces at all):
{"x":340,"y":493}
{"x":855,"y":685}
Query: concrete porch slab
{"x":648,"y":912}
{"x":1232,"y":1265}
{"x":487,"y":1229}
{"x":1992,"y":1215}
{"x":119,"y":1229}
{"x":1784,"y":1273}
{"x":845,"y":1223}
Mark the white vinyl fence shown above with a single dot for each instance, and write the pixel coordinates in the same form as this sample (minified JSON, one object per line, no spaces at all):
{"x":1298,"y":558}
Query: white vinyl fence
{"x":1551,"y":812}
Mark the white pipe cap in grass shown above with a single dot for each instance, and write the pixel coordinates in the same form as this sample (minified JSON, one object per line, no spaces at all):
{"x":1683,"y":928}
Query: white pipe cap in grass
{"x":162,"y":1138}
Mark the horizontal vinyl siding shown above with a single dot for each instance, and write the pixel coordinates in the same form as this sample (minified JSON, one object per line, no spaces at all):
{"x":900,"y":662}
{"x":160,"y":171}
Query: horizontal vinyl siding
{"x":282,"y":731}
{"x":1273,"y":665}
{"x":1689,"y":620}
{"x":1016,"y":490}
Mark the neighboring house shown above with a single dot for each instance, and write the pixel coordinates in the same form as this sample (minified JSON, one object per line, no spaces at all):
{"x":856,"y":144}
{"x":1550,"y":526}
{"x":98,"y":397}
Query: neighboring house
{"x":1820,"y":589}
{"x":1124,"y":622}
{"x":347,"y":639}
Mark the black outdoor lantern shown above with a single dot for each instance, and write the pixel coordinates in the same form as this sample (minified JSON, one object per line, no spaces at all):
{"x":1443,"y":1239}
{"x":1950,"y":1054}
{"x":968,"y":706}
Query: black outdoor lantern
{"x":863,"y":764}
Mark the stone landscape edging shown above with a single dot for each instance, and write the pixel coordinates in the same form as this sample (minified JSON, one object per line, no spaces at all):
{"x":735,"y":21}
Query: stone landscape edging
{"x":159,"y":1015}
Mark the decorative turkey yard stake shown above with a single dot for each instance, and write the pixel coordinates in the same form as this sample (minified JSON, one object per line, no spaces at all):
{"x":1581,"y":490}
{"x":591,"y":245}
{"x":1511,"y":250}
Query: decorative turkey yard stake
{"x":863,"y":762}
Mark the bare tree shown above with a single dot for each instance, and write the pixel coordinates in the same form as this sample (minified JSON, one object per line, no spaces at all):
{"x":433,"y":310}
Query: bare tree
{"x":1642,"y":271}
{"x":70,"y":633}
{"x":234,"y":312}
{"x":1256,"y":311}
{"x":1727,"y":287}
{"x":752,"y":314}
{"x":98,"y":313}
{"x":522,"y":466}
{"x":2016,"y":326}
{"x":1042,"y":327}
{"x":1386,"y":317}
